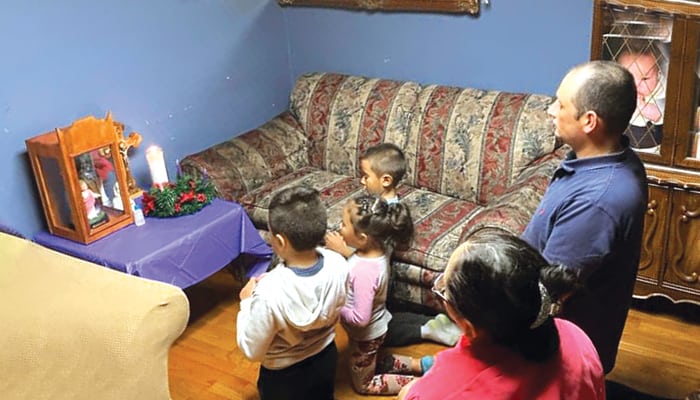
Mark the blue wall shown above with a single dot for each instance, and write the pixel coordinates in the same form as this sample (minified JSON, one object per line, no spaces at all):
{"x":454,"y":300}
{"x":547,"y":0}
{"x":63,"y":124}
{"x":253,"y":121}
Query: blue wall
{"x":513,"y":45}
{"x":184,"y":73}
{"x":190,"y":73}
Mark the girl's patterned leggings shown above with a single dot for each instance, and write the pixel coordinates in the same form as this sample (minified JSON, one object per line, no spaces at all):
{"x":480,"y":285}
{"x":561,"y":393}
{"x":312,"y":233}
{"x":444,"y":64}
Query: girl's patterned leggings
{"x":375,"y":374}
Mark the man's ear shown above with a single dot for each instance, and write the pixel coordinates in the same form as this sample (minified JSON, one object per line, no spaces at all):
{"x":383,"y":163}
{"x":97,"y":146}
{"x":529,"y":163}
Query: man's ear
{"x":590,"y":121}
{"x":386,"y":180}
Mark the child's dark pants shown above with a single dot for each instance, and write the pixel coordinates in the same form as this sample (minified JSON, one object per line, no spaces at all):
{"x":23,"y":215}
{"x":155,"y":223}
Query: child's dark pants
{"x":310,"y":379}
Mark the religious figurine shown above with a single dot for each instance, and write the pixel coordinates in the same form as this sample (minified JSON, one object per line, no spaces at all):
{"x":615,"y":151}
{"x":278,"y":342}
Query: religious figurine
{"x":102,"y":163}
{"x":87,"y":173}
{"x":95,"y":215}
{"x":117,"y":200}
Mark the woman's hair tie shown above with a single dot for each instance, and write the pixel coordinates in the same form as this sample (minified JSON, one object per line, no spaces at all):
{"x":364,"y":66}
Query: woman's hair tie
{"x":548,"y":308}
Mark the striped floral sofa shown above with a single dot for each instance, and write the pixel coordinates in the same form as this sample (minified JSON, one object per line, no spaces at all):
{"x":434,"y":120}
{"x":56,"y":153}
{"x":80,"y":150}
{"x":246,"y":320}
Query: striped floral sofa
{"x":477,"y":159}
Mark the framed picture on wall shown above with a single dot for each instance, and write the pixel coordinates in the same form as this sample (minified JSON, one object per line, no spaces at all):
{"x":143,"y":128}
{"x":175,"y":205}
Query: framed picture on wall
{"x":441,"y":6}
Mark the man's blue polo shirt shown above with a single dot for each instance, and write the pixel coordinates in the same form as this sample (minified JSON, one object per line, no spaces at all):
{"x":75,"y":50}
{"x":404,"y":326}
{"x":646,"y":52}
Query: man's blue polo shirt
{"x":591,"y":218}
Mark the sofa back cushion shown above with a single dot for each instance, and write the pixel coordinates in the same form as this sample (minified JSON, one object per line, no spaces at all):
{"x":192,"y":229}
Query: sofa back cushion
{"x":473,"y":144}
{"x":466,"y":143}
{"x":344,"y":115}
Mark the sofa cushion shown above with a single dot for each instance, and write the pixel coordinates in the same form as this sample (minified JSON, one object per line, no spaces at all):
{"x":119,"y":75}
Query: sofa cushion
{"x":334,"y":190}
{"x":466,"y":143}
{"x":472,"y":144}
{"x":344,"y":115}
{"x":438,"y":219}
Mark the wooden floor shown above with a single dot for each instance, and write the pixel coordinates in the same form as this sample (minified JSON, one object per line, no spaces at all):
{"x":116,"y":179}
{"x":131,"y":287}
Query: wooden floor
{"x":659,"y":354}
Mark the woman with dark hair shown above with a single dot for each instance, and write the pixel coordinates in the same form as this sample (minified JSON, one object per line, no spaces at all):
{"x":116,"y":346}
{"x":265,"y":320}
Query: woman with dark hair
{"x":503,"y":295}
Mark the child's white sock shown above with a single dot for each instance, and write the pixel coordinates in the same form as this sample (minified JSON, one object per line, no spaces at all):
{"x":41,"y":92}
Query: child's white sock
{"x":441,"y":330}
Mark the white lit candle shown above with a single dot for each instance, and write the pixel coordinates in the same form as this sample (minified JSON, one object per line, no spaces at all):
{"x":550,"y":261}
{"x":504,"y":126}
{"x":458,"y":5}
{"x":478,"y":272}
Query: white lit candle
{"x":156,"y":164}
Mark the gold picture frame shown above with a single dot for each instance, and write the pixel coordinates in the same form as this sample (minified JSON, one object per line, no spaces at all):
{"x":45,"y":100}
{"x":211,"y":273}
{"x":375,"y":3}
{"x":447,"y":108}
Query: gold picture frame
{"x":441,"y":6}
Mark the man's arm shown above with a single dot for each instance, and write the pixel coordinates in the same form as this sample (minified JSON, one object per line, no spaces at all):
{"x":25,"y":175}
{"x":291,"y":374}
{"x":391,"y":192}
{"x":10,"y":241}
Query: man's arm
{"x":582,"y":236}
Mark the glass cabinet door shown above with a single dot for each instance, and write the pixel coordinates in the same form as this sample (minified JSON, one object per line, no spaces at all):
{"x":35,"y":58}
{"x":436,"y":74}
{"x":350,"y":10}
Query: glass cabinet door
{"x":641,"y":40}
{"x":99,"y":188}
{"x":688,"y":153}
{"x":658,"y":41}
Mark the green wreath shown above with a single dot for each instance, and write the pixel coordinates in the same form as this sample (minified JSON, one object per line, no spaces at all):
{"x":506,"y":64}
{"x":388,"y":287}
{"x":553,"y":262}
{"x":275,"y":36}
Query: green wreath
{"x":186,"y":196}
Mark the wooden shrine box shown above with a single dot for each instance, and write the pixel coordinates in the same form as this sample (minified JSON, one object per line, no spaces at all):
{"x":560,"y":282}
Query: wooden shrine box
{"x":81,"y":179}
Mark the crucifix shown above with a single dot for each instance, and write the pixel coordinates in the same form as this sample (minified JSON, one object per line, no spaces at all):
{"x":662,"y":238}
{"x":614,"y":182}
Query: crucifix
{"x":133,"y":140}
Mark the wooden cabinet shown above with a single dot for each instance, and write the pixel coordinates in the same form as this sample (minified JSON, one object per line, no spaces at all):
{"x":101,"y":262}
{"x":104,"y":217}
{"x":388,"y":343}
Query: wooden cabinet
{"x":653,"y":244}
{"x":683,"y":265}
{"x":659,"y":42}
{"x":670,"y":259}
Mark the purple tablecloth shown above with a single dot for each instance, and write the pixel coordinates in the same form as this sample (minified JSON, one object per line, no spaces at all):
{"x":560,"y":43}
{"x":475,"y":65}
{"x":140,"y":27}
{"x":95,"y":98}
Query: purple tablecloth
{"x":181,"y":251}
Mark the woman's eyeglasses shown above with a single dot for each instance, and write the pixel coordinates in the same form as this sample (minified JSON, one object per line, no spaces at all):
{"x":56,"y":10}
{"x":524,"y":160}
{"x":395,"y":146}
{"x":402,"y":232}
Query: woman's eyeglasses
{"x":439,"y":288}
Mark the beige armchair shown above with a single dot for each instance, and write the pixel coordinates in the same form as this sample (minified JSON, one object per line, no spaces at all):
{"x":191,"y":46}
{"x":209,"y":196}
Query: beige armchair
{"x":71,"y":329}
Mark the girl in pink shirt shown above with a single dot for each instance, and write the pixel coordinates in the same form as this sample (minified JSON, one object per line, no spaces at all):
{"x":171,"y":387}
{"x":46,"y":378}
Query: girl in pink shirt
{"x":373,"y":227}
{"x":503,"y":295}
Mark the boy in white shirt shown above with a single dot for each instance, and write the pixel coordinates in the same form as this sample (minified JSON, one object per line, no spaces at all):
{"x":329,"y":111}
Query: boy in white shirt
{"x":288,"y":315}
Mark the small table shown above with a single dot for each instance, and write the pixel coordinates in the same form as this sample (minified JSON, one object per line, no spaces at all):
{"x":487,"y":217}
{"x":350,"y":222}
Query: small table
{"x":181,"y":251}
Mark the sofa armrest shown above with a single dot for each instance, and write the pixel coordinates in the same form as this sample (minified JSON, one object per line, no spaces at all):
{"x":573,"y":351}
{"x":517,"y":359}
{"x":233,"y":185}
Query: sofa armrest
{"x":512,"y":211}
{"x":252,"y":159}
{"x":537,"y":175}
{"x":77,"y":330}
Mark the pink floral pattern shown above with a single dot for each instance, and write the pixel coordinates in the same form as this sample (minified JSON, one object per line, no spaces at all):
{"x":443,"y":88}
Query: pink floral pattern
{"x":364,"y":371}
{"x":477,"y":159}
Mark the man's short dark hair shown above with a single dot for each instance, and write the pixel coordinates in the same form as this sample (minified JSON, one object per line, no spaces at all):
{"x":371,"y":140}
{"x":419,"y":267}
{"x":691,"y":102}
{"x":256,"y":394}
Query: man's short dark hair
{"x":386,"y":158}
{"x":298,"y":213}
{"x":608,"y":90}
